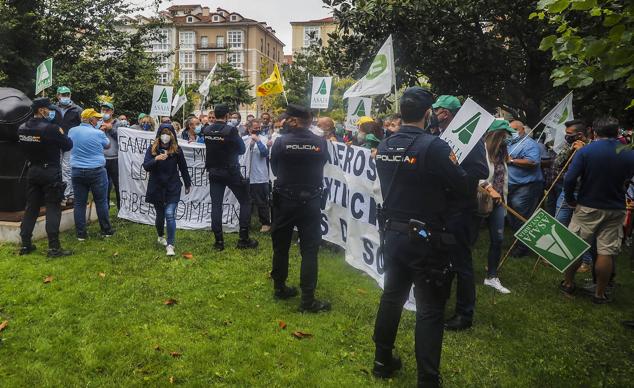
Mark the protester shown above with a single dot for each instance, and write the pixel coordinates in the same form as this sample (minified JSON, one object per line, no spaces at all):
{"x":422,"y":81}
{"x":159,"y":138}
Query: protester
{"x":525,"y":179}
{"x":192,"y":131}
{"x":163,"y":160}
{"x":393,"y":124}
{"x":177,"y":127}
{"x":327,"y":125}
{"x":496,"y":186}
{"x":250,"y":118}
{"x":266,"y":122}
{"x":42,"y":141}
{"x":204,"y":120}
{"x":123,"y":121}
{"x":165,"y":120}
{"x":256,"y":160}
{"x":67,"y":116}
{"x":110,"y":126}
{"x":445,"y":108}
{"x":602,"y":167}
{"x":143,"y":123}
{"x":365,"y":125}
{"x":89,"y":172}
{"x":235,"y":119}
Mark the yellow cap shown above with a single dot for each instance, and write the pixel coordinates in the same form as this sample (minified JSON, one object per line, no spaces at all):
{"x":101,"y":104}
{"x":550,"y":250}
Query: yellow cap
{"x":90,"y":113}
{"x":364,"y":119}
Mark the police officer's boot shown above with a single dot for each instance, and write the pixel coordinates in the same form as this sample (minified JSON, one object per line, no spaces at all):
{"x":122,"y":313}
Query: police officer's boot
{"x":385,"y":364}
{"x":58,"y":252}
{"x":245,"y":242}
{"x":220,"y":241}
{"x":27,"y":248}
{"x":284,"y":292}
{"x":311,"y":305}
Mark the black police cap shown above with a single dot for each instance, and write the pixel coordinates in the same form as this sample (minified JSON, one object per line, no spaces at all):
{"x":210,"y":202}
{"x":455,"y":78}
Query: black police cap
{"x":422,"y":97}
{"x":40,"y":102}
{"x":294,"y":110}
{"x":221,"y":110}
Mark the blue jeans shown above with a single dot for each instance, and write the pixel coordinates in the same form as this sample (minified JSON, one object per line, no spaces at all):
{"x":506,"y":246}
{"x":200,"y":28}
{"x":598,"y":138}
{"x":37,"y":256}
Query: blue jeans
{"x":563,"y":214}
{"x":166,"y":213}
{"x":495,"y":222}
{"x":94,"y":180}
{"x":524,"y":199}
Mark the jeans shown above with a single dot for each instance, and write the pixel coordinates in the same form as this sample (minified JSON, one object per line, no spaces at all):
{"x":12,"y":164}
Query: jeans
{"x":94,"y":180}
{"x":524,"y":200}
{"x":563,"y":214}
{"x":464,"y":227}
{"x":495,"y":222}
{"x":43,"y":187}
{"x":67,"y":175}
{"x":112,"y":168}
{"x":166,"y":213}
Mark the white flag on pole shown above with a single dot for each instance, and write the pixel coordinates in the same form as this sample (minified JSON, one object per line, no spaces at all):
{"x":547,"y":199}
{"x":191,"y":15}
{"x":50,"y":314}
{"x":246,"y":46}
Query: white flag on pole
{"x":380,"y":75}
{"x":179,"y":99}
{"x":555,"y":122}
{"x":467,"y":128}
{"x":357,"y":107}
{"x":320,"y":95}
{"x":204,"y":87}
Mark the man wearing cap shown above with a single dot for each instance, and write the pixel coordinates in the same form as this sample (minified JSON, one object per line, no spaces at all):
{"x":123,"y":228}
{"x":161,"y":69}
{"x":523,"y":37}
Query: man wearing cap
{"x":67,"y":115}
{"x":89,"y":173}
{"x":417,"y":175}
{"x":445,"y":109}
{"x":110,"y":126}
{"x":297,"y":161}
{"x":42,"y":142}
{"x":224,"y":147}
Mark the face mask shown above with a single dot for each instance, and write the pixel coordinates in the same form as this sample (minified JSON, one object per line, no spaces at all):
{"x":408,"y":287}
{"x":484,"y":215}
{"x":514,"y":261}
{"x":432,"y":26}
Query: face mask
{"x":106,"y":116}
{"x":51,"y":115}
{"x":165,"y":139}
{"x":256,"y":132}
{"x":570,"y":139}
{"x":146,"y":126}
{"x":360,"y":137}
{"x":65,"y":101}
{"x":123,"y":123}
{"x":198,"y":129}
{"x":234,"y":122}
{"x":99,"y":123}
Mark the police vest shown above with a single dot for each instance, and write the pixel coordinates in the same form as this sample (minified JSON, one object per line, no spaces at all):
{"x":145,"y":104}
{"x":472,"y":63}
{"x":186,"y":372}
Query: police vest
{"x":300,"y":157}
{"x":222,"y":152}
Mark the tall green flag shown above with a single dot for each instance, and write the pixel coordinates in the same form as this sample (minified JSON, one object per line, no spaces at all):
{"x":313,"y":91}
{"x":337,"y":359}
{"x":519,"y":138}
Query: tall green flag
{"x":44,"y":76}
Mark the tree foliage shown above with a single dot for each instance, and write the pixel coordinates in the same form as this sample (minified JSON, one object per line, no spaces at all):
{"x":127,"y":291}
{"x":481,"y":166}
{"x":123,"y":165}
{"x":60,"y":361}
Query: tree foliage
{"x":230,"y":87}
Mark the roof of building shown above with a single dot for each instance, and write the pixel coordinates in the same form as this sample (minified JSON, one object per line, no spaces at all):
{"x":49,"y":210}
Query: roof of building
{"x":328,"y":20}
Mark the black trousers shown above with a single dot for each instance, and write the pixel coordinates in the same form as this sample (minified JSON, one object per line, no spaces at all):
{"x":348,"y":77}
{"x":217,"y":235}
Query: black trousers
{"x":305,"y":215}
{"x":43,"y":187}
{"x":404,"y":266}
{"x":112,"y":168}
{"x":260,"y":198}
{"x":240,"y":189}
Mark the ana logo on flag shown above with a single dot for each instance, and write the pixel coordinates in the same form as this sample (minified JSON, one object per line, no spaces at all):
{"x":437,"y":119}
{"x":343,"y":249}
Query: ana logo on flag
{"x":378,"y":67}
{"x":360,"y":110}
{"x":322,"y":88}
{"x":564,"y":117}
{"x":465,"y":131}
{"x":163,"y":97}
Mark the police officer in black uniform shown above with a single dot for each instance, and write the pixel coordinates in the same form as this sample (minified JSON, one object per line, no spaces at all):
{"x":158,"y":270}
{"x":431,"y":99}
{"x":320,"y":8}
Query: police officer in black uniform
{"x":417,"y":172}
{"x":224,"y":146}
{"x":297,"y":161}
{"x":43,"y":142}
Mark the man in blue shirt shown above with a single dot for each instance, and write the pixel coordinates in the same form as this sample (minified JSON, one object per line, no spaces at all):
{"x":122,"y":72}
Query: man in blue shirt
{"x":89,"y":173}
{"x":257,"y":167}
{"x":526,"y":182}
{"x":603,"y":167}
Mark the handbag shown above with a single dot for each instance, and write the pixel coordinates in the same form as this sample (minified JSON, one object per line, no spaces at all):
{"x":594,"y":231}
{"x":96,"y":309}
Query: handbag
{"x":485,"y":203}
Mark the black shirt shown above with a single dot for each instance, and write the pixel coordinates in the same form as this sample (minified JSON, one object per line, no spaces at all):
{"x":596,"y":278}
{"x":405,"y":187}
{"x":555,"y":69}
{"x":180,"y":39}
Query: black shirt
{"x":298,"y":159}
{"x":42,"y":141}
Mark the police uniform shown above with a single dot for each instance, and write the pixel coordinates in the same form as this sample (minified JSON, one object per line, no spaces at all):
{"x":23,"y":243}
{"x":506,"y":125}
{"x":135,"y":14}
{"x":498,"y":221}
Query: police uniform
{"x":224,"y":146}
{"x":416,"y":175}
{"x":297,"y":161}
{"x":43,"y":143}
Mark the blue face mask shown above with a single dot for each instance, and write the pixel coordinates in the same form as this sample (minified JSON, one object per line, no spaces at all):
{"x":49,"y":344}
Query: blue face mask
{"x":106,"y":116}
{"x":51,"y":115}
{"x":65,"y":101}
{"x":146,"y":126}
{"x":123,"y":123}
{"x":99,"y":123}
{"x":198,"y":129}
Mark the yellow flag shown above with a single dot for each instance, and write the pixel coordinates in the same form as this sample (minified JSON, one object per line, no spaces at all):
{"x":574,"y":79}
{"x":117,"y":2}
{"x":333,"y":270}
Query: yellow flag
{"x":272,"y":85}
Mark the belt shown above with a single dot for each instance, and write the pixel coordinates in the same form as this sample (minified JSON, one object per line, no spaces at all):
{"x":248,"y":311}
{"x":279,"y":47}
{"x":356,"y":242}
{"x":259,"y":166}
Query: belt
{"x":294,"y":193}
{"x":397,"y":226}
{"x":88,"y":169}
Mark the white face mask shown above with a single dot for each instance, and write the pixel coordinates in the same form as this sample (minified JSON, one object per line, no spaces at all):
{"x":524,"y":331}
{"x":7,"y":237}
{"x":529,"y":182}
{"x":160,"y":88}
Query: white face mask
{"x":165,"y":139}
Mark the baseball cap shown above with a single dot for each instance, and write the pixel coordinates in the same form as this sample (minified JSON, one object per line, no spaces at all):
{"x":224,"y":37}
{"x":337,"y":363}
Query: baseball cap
{"x":90,"y":113}
{"x":448,"y":102}
{"x":107,"y":105}
{"x":63,"y":90}
{"x":364,"y":119}
{"x":501,"y":125}
{"x":41,"y":102}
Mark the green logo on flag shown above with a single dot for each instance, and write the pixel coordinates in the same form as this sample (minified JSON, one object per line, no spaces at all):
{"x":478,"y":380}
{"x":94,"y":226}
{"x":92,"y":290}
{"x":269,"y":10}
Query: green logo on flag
{"x":544,"y":235}
{"x":163,"y":97}
{"x":378,"y":67}
{"x":360,"y":111}
{"x":44,"y":76}
{"x":465,"y":131}
{"x":564,"y":116}
{"x":322,"y":88}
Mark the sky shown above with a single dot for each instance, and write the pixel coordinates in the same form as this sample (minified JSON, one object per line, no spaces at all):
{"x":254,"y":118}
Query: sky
{"x":276,"y":13}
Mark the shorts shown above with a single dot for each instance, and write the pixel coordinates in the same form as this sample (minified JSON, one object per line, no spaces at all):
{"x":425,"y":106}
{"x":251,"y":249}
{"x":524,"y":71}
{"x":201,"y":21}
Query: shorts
{"x":604,"y":225}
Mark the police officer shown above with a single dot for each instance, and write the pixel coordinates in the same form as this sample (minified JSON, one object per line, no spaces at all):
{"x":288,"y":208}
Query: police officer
{"x":43,"y":142}
{"x":297,"y":161}
{"x":224,"y":146}
{"x":417,"y":172}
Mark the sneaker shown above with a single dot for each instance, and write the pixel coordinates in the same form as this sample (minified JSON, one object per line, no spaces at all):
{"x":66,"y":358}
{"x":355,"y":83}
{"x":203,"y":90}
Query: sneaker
{"x":25,"y":250}
{"x":386,"y":370}
{"x":583,"y":268}
{"x":285,"y":292}
{"x":162,"y":241}
{"x":58,"y":252}
{"x":314,"y":306}
{"x":169,"y":250}
{"x":495,"y":283}
{"x":108,"y":233}
{"x":247,"y":244}
{"x":82,"y":237}
{"x":265,"y":229}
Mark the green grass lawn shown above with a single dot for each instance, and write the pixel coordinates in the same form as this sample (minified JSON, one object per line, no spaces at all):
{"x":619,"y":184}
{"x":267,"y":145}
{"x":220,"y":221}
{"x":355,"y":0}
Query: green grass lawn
{"x":102,"y":321}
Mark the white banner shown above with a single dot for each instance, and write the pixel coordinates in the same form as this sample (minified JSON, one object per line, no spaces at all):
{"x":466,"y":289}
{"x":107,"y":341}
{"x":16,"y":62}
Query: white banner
{"x":555,"y":122}
{"x":357,"y":107}
{"x":162,"y":101}
{"x":467,"y":128}
{"x":380,"y":76}
{"x":194,"y":209}
{"x":320,"y":95}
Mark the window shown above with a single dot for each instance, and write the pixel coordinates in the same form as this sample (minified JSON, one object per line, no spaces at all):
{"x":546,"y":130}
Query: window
{"x":190,"y":19}
{"x":164,"y":63}
{"x":187,"y":40}
{"x":311,"y":35}
{"x":186,"y":59}
{"x":220,"y":41}
{"x":220,"y":58}
{"x":268,"y":50}
{"x":204,"y":42}
{"x":162,"y":42}
{"x":261,"y":44}
{"x":235,"y":59}
{"x":215,"y":18}
{"x":234,"y":18}
{"x":235,"y":39}
{"x":187,"y":77}
{"x":204,"y":61}
{"x":163,"y":78}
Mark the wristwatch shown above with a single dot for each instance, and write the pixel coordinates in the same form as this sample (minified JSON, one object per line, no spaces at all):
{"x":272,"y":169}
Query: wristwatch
{"x":511,"y":161}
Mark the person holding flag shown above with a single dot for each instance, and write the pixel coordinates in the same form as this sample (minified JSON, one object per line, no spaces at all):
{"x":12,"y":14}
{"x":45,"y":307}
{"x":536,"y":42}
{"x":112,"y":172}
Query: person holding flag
{"x":67,"y":116}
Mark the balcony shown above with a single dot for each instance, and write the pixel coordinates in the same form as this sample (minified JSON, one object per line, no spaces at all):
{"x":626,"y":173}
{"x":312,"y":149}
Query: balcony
{"x":211,"y":46}
{"x":187,"y":66}
{"x":204,"y":66}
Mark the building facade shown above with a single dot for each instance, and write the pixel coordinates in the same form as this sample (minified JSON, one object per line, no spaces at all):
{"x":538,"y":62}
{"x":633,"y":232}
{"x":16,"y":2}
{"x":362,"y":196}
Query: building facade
{"x":312,"y":31}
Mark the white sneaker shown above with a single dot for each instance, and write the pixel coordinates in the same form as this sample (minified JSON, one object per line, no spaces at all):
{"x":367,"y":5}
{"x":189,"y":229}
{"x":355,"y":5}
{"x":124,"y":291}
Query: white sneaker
{"x":495,"y":283}
{"x":161,"y":240}
{"x":170,"y":250}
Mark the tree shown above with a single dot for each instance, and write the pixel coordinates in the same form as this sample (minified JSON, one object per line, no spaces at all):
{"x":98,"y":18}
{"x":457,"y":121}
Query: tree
{"x":230,"y":87}
{"x":486,"y":49}
{"x":298,"y":75}
{"x":593,"y":47}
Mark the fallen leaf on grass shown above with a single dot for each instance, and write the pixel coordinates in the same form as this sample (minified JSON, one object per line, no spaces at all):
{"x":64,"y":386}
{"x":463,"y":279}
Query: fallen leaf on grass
{"x":176,"y":354}
{"x":48,"y":279}
{"x":115,"y":254}
{"x":361,"y":291}
{"x":188,"y":255}
{"x":172,"y":379}
{"x":170,"y":302}
{"x":102,"y":274}
{"x":301,"y":335}
{"x":282,"y":325}
{"x":3,"y":325}
{"x":157,"y":348}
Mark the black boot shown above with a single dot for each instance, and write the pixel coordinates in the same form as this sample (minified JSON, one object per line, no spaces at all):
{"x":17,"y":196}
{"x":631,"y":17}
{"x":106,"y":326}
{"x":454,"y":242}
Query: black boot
{"x":58,"y":252}
{"x":314,"y":306}
{"x":26,"y":249}
{"x":458,"y":323}
{"x":245,"y":242}
{"x":285,"y":292}
{"x":220,"y":241}
{"x":386,"y":367}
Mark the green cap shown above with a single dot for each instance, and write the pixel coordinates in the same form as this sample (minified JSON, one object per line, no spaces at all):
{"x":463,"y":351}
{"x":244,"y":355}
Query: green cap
{"x":371,"y":141}
{"x":107,"y":105}
{"x":501,"y":125}
{"x":448,"y":102}
{"x":141,"y":115}
{"x":63,"y":90}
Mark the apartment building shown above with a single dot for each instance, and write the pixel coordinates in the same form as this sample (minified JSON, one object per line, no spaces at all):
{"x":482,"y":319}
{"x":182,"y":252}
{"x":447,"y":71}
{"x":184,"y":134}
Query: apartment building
{"x":311,"y":31}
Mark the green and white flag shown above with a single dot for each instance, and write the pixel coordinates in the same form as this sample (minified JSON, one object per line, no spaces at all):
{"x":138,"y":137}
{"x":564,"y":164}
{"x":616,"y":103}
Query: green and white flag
{"x":555,"y":122}
{"x":44,"y":76}
{"x":547,"y":237}
{"x":204,"y":87}
{"x":380,"y":76}
{"x":467,"y":128}
{"x":320,"y":95}
{"x":179,"y":99}
{"x":161,"y":101}
{"x":357,"y":107}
